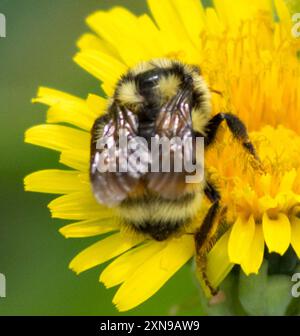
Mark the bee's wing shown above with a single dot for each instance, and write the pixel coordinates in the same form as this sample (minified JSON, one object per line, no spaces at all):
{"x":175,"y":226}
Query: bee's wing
{"x":112,"y":173}
{"x":175,"y":124}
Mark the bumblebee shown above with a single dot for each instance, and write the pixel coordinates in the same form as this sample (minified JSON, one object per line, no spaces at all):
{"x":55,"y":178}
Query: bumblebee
{"x":155,"y":99}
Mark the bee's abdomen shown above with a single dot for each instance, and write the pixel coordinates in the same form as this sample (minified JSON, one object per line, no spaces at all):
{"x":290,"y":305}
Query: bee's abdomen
{"x":158,"y":217}
{"x":160,"y":231}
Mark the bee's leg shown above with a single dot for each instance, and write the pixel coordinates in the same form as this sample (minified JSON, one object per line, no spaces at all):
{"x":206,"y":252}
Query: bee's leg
{"x":237,"y":128}
{"x":204,"y":236}
{"x":211,"y":192}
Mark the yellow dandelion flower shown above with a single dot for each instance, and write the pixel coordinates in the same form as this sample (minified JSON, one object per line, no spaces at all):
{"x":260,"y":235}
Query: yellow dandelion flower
{"x":249,"y":57}
{"x":262,"y":208}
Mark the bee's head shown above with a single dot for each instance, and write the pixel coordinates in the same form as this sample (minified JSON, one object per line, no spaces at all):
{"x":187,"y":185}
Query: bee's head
{"x":148,"y":82}
{"x":151,"y":84}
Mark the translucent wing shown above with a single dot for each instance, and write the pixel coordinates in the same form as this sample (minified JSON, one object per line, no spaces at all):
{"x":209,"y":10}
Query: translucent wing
{"x":114,"y":168}
{"x":173,"y":127}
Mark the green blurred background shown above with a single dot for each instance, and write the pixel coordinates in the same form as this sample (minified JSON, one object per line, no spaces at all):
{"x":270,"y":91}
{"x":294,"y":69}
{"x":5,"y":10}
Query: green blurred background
{"x":34,"y":257}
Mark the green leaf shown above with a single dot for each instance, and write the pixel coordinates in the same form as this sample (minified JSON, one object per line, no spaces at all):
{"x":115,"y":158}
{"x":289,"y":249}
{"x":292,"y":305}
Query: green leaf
{"x":230,"y":306}
{"x":263,"y":295}
{"x":252,"y":291}
{"x":278,"y":295}
{"x":285,"y":264}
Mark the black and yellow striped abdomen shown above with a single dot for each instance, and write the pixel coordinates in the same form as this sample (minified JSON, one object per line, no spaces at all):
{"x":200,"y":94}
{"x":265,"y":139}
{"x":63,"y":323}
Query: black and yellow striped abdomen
{"x":158,"y":217}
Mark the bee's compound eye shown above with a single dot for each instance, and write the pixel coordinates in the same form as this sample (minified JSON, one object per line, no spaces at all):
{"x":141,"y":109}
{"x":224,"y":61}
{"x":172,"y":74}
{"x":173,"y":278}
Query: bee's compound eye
{"x":148,"y":80}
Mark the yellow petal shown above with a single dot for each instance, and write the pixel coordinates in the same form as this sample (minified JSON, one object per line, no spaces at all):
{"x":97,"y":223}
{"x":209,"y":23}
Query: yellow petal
{"x":287,"y":200}
{"x":72,"y":114}
{"x":266,"y":183}
{"x":240,"y":239}
{"x":92,"y":42}
{"x":253,"y":259}
{"x":218,"y":263}
{"x":191,"y":13}
{"x":122,"y":29}
{"x":170,"y":25}
{"x":55,"y":182}
{"x":76,"y":159}
{"x":104,"y":67}
{"x":167,"y":18}
{"x":89,"y":228}
{"x":57,"y":137}
{"x":295,"y":240}
{"x":287,"y":181}
{"x":65,"y":108}
{"x":283,"y":12}
{"x":103,"y":251}
{"x":267,"y":202}
{"x":154,"y":273}
{"x":277,"y":233}
{"x":154,"y":37}
{"x":122,"y":268}
{"x":52,"y":97}
{"x":234,"y":12}
{"x":79,"y":206}
{"x":214,"y":25}
{"x":89,"y":41}
{"x":97,"y":105}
